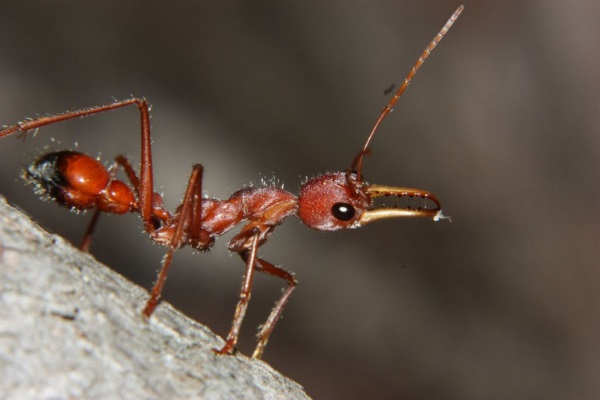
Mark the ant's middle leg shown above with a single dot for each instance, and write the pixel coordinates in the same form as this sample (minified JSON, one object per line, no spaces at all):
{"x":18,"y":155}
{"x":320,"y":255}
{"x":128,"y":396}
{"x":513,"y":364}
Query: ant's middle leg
{"x":177,"y":233}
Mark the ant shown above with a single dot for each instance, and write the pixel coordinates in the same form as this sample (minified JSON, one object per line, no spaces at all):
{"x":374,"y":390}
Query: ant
{"x":328,"y":202}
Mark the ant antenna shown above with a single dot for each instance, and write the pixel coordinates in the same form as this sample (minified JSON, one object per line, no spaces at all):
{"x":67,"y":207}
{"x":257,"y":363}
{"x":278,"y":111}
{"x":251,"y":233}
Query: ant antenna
{"x":357,"y":164}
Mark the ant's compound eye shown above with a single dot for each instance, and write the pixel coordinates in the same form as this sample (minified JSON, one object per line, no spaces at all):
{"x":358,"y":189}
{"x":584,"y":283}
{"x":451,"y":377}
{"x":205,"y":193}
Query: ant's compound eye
{"x":343,"y":211}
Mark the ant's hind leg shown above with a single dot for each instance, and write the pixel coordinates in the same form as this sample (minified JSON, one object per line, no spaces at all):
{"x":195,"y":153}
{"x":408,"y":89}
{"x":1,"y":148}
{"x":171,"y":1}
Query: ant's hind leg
{"x":86,"y":242}
{"x":145,"y":186}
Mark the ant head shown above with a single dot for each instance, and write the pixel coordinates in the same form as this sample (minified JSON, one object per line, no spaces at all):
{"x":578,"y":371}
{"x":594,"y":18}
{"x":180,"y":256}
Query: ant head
{"x":342,"y":200}
{"x":332,"y":201}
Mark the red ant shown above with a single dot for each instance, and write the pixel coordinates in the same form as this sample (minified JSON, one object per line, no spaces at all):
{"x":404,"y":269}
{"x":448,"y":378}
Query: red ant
{"x":327,"y":202}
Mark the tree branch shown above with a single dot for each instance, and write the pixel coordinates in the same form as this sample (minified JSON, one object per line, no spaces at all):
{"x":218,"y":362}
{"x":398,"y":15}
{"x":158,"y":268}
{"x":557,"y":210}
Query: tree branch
{"x":72,"y":328}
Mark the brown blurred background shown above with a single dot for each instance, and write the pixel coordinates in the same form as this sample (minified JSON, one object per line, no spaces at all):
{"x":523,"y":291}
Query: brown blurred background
{"x":502,"y":123}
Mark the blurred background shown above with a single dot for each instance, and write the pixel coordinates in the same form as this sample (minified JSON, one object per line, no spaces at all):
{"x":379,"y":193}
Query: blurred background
{"x":501,"y":123}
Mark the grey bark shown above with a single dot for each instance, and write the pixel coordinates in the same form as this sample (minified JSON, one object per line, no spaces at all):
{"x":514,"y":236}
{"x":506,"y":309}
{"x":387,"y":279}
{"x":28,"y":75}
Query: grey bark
{"x":72,"y":328}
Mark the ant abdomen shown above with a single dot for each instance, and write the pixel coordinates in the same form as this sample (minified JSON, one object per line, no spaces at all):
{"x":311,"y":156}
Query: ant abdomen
{"x":79,"y":182}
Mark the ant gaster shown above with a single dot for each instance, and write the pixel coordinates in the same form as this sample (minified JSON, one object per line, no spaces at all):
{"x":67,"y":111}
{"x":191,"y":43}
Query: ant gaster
{"x":327,"y":202}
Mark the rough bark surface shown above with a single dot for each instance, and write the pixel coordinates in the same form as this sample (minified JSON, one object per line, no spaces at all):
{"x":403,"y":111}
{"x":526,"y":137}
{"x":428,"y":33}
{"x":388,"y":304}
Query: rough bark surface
{"x":72,"y":328}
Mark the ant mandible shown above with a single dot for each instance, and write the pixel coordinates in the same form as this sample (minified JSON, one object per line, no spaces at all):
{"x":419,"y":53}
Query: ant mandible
{"x":327,"y":202}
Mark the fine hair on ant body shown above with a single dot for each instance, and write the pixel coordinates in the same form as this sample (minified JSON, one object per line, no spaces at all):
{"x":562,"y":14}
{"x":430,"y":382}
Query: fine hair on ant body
{"x":328,"y":202}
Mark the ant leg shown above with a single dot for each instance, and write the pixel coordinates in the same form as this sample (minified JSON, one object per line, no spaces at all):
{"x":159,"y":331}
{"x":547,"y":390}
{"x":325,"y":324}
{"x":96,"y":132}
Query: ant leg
{"x":146,"y":184}
{"x":158,"y":286}
{"x":189,"y":210}
{"x":254,"y":263}
{"x":267,"y":328}
{"x":242,"y":306}
{"x":124,"y":163}
{"x":33,"y":124}
{"x":86,"y":242}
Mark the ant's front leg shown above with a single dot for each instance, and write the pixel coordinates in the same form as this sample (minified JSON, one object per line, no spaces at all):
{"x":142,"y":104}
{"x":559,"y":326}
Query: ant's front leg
{"x":254,"y":263}
{"x":267,"y":328}
{"x":240,"y":311}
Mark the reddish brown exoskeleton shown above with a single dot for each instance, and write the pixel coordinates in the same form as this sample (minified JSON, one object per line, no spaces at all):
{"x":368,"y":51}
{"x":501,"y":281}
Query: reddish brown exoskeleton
{"x":327,"y":202}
